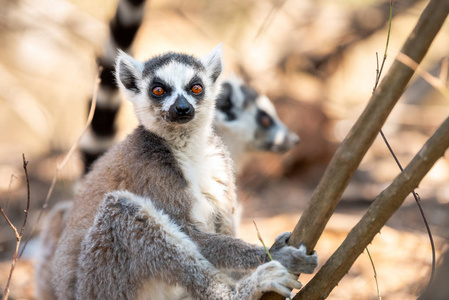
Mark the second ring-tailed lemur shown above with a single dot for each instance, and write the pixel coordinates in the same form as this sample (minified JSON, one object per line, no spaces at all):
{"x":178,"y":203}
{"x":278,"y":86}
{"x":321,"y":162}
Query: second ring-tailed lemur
{"x":247,"y":122}
{"x":155,"y":217}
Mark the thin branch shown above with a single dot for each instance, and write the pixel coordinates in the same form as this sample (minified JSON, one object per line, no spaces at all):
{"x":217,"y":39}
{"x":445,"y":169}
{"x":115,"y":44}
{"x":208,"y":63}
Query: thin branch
{"x":418,"y":202}
{"x":383,"y":207}
{"x":440,"y":85}
{"x":415,"y":195}
{"x":351,"y":151}
{"x":8,"y":197}
{"x":61,"y":165}
{"x":378,"y":74}
{"x":261,"y":240}
{"x":379,"y":71}
{"x":17,"y":233}
{"x":25,"y":163}
{"x":276,"y":6}
{"x":389,"y":30}
{"x":375,"y":273}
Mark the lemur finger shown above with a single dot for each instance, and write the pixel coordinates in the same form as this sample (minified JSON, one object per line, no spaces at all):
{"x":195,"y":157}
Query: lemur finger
{"x":306,"y":265}
{"x":302,"y":255}
{"x":293,"y":283}
{"x":311,"y":259}
{"x":276,"y":270}
{"x":291,"y":276}
{"x":282,"y":238}
{"x":282,"y":290}
{"x":280,"y":242}
{"x":271,"y":269}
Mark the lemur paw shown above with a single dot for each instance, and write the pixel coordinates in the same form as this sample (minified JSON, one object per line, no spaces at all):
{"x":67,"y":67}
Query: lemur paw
{"x":296,"y":260}
{"x":274,"y":277}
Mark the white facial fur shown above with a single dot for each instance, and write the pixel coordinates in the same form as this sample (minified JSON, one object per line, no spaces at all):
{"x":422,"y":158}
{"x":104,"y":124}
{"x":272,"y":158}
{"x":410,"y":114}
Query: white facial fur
{"x":168,"y":73}
{"x":177,"y":76}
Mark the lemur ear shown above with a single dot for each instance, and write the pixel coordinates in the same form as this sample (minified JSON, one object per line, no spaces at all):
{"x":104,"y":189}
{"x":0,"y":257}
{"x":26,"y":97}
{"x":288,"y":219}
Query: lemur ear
{"x":128,"y":72}
{"x":213,"y":62}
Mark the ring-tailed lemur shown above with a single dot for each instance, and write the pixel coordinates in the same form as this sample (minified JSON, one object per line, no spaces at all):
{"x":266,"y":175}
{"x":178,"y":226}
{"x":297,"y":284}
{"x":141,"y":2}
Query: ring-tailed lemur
{"x":155,"y":218}
{"x":235,"y":116}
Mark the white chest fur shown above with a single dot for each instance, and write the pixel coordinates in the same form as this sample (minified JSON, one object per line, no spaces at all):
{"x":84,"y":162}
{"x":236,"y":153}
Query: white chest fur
{"x":205,"y":171}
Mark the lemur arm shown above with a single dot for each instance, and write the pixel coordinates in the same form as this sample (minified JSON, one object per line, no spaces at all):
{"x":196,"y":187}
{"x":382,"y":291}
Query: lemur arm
{"x":131,"y":244}
{"x":227,"y":252}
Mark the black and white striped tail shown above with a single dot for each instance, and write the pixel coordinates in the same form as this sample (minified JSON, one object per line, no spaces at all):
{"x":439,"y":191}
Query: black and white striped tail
{"x":122,"y":30}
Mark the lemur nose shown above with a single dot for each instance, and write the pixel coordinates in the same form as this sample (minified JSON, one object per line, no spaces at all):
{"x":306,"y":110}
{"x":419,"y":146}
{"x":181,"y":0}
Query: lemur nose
{"x":183,"y":108}
{"x":181,"y":111}
{"x":294,"y":138}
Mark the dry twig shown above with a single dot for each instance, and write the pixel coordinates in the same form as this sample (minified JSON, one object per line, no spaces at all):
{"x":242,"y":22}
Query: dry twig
{"x":18,"y":234}
{"x":269,"y":17}
{"x":378,"y":75}
{"x":375,"y":273}
{"x":5,"y":208}
{"x":440,"y":85}
{"x":261,"y":240}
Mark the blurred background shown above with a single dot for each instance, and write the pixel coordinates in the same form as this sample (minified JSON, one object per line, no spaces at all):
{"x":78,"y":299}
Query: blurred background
{"x":316,"y":60}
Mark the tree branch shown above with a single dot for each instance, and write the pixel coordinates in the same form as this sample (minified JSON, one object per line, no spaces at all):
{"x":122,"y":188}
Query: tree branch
{"x":375,"y":218}
{"x":351,"y":151}
{"x":25,"y":164}
{"x":18,"y":234}
{"x":357,"y":142}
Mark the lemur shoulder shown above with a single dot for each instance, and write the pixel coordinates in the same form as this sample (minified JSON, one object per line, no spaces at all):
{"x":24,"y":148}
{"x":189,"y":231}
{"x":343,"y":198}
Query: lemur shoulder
{"x":155,"y":218}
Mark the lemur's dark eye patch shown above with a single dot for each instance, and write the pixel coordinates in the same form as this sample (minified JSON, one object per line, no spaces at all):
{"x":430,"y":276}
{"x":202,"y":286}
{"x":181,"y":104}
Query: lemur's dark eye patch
{"x":224,"y":102}
{"x":264,"y":119}
{"x":250,"y":95}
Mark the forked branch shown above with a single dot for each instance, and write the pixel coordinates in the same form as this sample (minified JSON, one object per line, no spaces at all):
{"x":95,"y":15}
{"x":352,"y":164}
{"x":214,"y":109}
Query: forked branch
{"x":351,"y":151}
{"x":377,"y":215}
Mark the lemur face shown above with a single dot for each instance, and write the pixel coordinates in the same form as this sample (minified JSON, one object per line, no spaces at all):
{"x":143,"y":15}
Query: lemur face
{"x":173,"y":88}
{"x":251,"y":118}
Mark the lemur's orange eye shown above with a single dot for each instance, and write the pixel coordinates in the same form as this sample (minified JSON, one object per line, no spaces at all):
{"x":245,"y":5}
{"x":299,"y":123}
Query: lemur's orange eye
{"x":197,"y":89}
{"x":158,"y":91}
{"x":266,"y":121}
